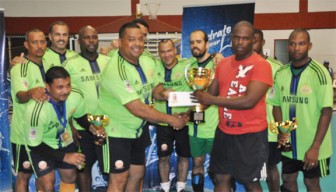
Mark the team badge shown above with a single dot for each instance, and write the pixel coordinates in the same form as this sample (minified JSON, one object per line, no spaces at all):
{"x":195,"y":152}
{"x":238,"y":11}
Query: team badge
{"x":26,"y":164}
{"x":178,"y":75}
{"x":271,"y":93}
{"x":32,"y":133}
{"x":306,"y":89}
{"x":42,"y":165}
{"x":128,"y":86}
{"x":164,"y":147}
{"x":119,"y":164}
{"x":24,"y":83}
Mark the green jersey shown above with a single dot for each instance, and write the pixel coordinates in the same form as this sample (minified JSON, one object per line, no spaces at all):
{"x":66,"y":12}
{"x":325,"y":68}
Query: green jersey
{"x":275,"y":65}
{"x":42,"y":124}
{"x":86,"y":76}
{"x":53,"y":58}
{"x":206,"y":129}
{"x":303,"y":96}
{"x":23,"y":78}
{"x":172,"y":79}
{"x":123,"y":82}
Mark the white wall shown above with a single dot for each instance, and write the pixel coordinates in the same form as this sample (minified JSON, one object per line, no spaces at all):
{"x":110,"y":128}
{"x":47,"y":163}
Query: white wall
{"x":324,"y":43}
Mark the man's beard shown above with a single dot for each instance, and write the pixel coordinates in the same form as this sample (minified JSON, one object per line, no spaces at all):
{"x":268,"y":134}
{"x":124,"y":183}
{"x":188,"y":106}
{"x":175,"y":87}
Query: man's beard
{"x":200,"y":55}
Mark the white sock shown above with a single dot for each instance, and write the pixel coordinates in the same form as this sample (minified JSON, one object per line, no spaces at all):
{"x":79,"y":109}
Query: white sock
{"x":180,"y":186}
{"x":165,"y":186}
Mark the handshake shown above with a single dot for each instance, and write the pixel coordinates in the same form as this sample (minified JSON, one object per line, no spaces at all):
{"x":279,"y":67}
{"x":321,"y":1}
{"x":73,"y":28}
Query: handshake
{"x":179,"y":120}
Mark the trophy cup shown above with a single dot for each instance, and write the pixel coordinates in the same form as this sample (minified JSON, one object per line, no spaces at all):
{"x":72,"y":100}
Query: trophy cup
{"x":284,"y":127}
{"x":99,"y":121}
{"x":198,"y":79}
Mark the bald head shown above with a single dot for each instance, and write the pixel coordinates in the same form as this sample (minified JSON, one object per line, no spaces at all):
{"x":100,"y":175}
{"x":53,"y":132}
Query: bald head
{"x":86,"y":28}
{"x":242,"y":39}
{"x":243,"y":24}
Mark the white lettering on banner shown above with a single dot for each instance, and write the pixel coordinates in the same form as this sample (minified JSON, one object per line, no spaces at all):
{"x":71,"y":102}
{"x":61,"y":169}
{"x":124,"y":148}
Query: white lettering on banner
{"x":222,"y":34}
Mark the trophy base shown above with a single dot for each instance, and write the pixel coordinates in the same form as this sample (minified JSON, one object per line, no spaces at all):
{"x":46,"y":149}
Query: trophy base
{"x":197,"y":117}
{"x":286,"y":148}
{"x":99,"y":140}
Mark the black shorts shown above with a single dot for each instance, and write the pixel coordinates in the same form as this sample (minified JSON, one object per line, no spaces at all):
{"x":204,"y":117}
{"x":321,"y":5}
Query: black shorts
{"x":244,"y":157}
{"x":88,"y":148}
{"x":274,"y":154}
{"x":118,"y":154}
{"x":43,"y":165}
{"x":292,"y":166}
{"x":145,"y":132}
{"x":21,"y":160}
{"x":165,"y":137}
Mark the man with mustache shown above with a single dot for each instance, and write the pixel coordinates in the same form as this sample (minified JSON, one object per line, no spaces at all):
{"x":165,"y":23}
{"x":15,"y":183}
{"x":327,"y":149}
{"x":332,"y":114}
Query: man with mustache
{"x":27,"y":83}
{"x":201,"y":135}
{"x":57,"y":53}
{"x":48,"y":134}
{"x":124,"y":95}
{"x":85,"y":71}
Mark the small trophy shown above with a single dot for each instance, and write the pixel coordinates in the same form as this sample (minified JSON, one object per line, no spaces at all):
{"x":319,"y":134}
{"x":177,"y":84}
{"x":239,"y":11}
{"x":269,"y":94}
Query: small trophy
{"x":284,"y":127}
{"x":99,"y":121}
{"x":198,"y":79}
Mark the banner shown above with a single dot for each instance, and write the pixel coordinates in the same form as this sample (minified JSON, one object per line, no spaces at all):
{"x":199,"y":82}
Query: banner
{"x":5,"y":152}
{"x":217,"y":21}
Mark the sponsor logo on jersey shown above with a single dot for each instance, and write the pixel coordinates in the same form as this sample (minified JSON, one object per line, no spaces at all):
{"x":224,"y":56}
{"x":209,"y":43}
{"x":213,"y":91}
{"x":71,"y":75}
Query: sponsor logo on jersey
{"x":295,"y":99}
{"x":90,"y":78}
{"x":172,"y":84}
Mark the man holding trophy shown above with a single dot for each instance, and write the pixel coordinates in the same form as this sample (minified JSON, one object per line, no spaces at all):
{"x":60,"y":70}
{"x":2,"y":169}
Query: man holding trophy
{"x":85,"y":70}
{"x":48,"y":135}
{"x":240,"y":147}
{"x":303,"y":90}
{"x":124,"y":95}
{"x":199,"y":74}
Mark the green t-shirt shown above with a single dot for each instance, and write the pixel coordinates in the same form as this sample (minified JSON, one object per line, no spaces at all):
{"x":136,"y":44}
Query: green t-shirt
{"x":206,"y":129}
{"x":275,"y":65}
{"x":175,"y":81}
{"x":304,"y":96}
{"x":23,"y":77}
{"x":121,"y":83}
{"x":42,"y":124}
{"x":86,"y":76}
{"x":53,"y":58}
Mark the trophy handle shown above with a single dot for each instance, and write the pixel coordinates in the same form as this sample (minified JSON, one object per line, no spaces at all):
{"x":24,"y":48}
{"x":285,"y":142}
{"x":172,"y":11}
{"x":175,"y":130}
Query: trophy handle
{"x":186,"y":73}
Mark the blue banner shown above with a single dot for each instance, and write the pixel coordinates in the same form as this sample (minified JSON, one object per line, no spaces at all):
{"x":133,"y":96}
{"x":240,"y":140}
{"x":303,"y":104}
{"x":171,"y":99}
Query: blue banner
{"x":5,"y":152}
{"x":217,"y":21}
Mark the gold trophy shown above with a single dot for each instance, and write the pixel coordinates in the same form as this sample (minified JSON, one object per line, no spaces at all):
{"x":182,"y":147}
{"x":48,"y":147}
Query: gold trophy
{"x":99,"y":121}
{"x":198,"y":79}
{"x":284,"y":127}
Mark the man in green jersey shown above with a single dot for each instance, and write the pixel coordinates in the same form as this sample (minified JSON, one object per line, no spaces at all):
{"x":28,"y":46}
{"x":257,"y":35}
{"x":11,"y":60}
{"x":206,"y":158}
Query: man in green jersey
{"x":85,"y":71}
{"x":303,"y":90}
{"x":124,"y":95}
{"x":170,"y":72}
{"x":274,"y":156}
{"x":27,"y":83}
{"x":48,"y":135}
{"x":201,"y":135}
{"x":57,"y":53}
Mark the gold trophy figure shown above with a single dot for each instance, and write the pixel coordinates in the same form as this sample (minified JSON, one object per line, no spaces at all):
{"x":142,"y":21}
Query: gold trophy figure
{"x":99,"y":121}
{"x":284,"y":127}
{"x":198,"y":79}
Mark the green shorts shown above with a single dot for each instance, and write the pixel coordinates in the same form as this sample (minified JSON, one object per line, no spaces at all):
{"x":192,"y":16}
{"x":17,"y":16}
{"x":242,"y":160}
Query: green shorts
{"x":200,"y":146}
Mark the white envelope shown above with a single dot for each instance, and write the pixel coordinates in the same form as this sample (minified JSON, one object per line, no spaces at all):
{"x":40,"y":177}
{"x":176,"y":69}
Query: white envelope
{"x":176,"y":99}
